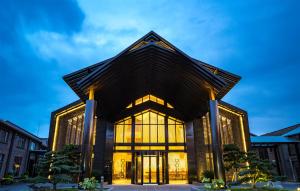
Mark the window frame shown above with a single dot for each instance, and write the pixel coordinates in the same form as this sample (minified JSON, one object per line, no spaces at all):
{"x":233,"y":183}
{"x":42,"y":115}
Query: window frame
{"x":6,"y":137}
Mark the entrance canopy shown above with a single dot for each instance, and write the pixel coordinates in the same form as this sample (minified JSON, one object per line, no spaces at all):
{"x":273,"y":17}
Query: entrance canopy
{"x":152,"y":66}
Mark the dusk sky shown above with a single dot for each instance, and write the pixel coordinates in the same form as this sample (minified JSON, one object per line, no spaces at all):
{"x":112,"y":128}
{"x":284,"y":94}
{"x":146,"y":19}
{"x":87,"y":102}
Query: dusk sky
{"x":42,"y":40}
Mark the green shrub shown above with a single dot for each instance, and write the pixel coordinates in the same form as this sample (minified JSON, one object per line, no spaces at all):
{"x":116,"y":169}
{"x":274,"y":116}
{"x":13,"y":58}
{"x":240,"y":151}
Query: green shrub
{"x":37,"y":179}
{"x":89,"y":183}
{"x":7,"y":179}
{"x":97,"y":175}
{"x":208,"y":174}
{"x":216,"y":184}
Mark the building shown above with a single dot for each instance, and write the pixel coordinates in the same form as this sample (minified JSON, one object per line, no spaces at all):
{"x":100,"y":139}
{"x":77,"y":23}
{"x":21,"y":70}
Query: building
{"x":282,"y":148}
{"x":150,"y":115}
{"x":18,"y":149}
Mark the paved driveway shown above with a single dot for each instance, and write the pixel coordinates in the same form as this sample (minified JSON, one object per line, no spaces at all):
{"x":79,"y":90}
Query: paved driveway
{"x":151,"y":187}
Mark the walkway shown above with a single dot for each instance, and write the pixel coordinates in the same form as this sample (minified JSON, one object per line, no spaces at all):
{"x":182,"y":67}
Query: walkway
{"x":168,"y":187}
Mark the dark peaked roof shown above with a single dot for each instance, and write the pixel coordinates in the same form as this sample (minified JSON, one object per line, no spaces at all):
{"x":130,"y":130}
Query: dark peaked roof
{"x":152,"y":64}
{"x":282,"y":132}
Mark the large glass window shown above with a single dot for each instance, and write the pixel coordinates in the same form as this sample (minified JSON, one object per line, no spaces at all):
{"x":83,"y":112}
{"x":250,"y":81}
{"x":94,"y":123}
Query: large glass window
{"x":74,"y":129}
{"x":178,"y":168}
{"x":149,"y":127}
{"x":121,"y":168}
{"x":123,"y":131}
{"x":176,"y":131}
{"x":152,"y":98}
{"x":226,"y":130}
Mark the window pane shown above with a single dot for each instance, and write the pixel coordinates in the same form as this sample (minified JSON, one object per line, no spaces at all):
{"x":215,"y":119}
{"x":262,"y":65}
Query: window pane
{"x":179,"y":134}
{"x":119,"y":133}
{"x":153,"y":98}
{"x":146,"y":118}
{"x":129,"y":106}
{"x":127,"y":136}
{"x":138,"y":133}
{"x":146,"y":98}
{"x":160,"y":119}
{"x":171,"y":133}
{"x":161,"y":133}
{"x":138,"y":119}
{"x":178,"y":168}
{"x":171,"y":121}
{"x":153,"y":134}
{"x":160,"y":101}
{"x":139,"y":101}
{"x":121,"y":172}
{"x":145,"y":133}
{"x":153,"y":118}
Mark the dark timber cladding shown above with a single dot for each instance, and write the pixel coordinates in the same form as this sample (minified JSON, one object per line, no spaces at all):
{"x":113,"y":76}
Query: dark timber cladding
{"x":152,"y":65}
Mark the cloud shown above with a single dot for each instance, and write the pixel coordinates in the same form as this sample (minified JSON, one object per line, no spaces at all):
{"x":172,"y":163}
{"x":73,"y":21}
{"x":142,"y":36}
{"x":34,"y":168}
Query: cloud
{"x":43,"y":40}
{"x":26,"y":79}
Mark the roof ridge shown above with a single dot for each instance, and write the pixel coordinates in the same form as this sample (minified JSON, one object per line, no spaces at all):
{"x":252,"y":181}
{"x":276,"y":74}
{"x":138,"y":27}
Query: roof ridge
{"x":289,"y":128}
{"x":9,"y":123}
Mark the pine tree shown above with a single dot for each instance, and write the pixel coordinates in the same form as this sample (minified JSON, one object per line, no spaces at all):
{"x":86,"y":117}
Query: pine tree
{"x":258,"y":170}
{"x":233,"y":159}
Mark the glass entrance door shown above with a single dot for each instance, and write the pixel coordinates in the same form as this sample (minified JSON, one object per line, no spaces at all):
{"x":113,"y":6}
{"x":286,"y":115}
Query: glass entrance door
{"x":150,"y":169}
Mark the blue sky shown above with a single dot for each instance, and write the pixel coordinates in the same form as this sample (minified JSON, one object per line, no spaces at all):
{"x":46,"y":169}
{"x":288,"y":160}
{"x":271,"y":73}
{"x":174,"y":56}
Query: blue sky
{"x":40,"y":41}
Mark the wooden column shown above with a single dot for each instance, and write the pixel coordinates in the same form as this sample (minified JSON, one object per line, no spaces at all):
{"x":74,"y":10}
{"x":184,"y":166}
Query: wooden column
{"x":88,"y":129}
{"x":216,"y":137}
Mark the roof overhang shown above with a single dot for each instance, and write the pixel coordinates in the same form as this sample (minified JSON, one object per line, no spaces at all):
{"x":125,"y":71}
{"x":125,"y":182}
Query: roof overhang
{"x":152,"y":65}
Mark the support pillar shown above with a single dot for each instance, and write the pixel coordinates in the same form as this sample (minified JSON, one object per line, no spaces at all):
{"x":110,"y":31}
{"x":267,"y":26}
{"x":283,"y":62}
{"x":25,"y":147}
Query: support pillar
{"x":216,"y":138}
{"x":88,"y":129}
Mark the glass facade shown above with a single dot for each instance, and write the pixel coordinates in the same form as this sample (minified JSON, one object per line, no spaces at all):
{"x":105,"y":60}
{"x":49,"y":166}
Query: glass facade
{"x":152,"y":98}
{"x":149,"y":147}
{"x":74,"y":129}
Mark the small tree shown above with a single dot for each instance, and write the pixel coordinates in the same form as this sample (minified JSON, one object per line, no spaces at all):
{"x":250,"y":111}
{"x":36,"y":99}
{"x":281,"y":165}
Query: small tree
{"x":258,"y":170}
{"x":62,"y":166}
{"x":233,"y":159}
{"x":72,"y":152}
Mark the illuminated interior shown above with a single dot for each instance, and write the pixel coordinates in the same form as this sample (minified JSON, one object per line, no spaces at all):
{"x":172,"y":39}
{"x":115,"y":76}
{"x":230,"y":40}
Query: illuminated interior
{"x":141,"y":148}
{"x":178,"y":169}
{"x":150,"y":128}
{"x":121,"y":168}
{"x":149,"y":97}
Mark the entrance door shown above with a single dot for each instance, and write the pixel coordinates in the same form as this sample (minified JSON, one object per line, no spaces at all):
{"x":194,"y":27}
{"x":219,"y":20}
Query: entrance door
{"x":150,"y":169}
